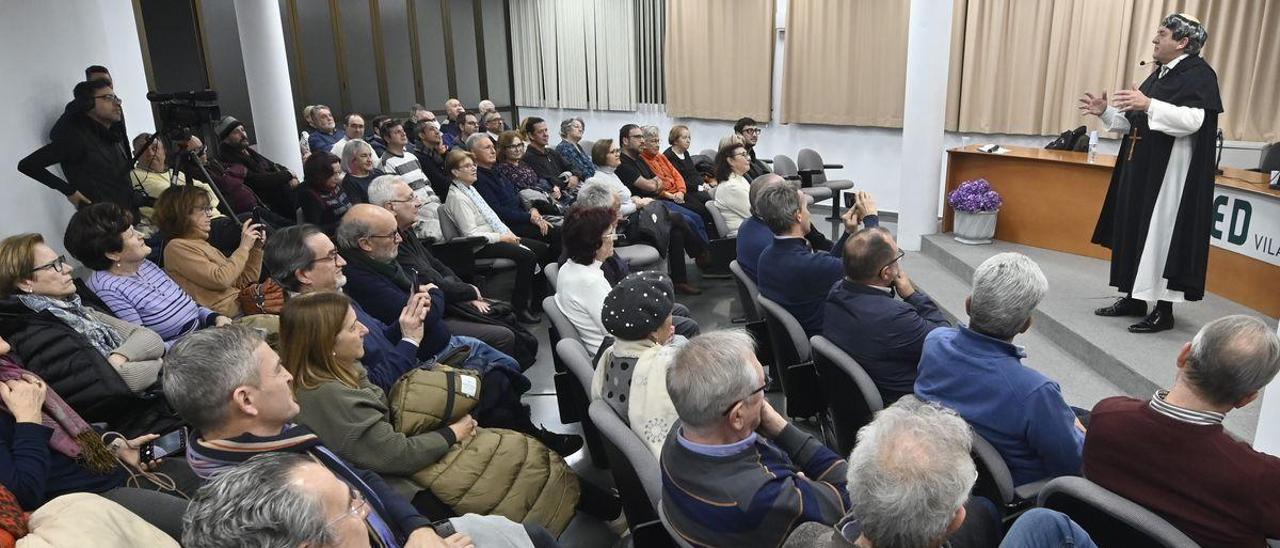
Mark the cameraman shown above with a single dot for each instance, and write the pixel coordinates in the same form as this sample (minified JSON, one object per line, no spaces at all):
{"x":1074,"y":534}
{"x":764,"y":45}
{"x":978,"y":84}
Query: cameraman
{"x":94,"y":155}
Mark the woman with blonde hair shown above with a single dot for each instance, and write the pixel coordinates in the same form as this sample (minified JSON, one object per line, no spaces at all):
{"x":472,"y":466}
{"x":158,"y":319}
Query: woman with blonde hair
{"x":214,"y":280}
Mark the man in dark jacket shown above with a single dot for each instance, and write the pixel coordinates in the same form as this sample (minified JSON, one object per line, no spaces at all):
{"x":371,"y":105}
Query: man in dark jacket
{"x":272,"y":182}
{"x":90,"y":144}
{"x":863,"y":317}
{"x":544,"y":160}
{"x":430,"y":160}
{"x":750,"y":132}
{"x":754,"y":235}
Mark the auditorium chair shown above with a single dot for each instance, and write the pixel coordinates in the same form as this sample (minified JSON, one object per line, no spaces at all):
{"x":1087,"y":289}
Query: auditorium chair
{"x":458,"y":251}
{"x":636,"y":474}
{"x":1270,"y":158}
{"x":995,"y":482}
{"x":794,"y":359}
{"x":813,"y":174}
{"x":666,"y":523}
{"x":752,"y":320}
{"x":784,"y":166}
{"x":852,"y":397}
{"x":641,"y":257}
{"x":1110,"y":519}
{"x":552,"y":272}
{"x":587,"y":145}
{"x":724,"y":249}
{"x":572,"y":378}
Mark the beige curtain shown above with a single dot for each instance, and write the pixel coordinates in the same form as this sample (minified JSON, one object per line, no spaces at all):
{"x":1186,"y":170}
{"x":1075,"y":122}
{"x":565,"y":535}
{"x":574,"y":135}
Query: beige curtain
{"x":719,"y":58}
{"x":846,"y":62}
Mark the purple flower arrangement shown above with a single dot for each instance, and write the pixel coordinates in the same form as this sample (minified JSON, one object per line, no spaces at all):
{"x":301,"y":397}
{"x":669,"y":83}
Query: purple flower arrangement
{"x":975,"y":196}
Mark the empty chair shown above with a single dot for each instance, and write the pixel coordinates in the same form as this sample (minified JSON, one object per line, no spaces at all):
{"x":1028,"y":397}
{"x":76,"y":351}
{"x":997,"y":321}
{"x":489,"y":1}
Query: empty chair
{"x":724,"y":248}
{"x":566,"y":384}
{"x":812,"y":168}
{"x":636,"y":474}
{"x":708,"y":152}
{"x":792,"y":357}
{"x":1110,"y":519}
{"x":586,"y":146}
{"x":996,"y":483}
{"x":786,"y":167}
{"x":576,"y":394}
{"x":852,"y":397}
{"x":641,"y":257}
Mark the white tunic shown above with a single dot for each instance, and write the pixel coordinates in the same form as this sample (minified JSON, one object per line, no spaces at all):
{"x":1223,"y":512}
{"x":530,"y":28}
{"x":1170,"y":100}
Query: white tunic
{"x":1149,"y":283}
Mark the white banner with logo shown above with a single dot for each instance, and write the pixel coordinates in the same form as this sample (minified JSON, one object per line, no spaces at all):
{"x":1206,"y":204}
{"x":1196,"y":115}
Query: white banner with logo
{"x":1246,"y":223}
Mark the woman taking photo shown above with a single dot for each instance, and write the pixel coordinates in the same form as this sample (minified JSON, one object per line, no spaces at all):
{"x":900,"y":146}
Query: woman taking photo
{"x":473,"y":217}
{"x":211,"y":278}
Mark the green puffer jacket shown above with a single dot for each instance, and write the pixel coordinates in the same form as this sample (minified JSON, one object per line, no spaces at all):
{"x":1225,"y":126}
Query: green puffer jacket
{"x":494,"y":471}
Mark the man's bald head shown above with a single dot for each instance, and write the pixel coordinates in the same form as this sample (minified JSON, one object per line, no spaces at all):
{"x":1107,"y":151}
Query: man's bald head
{"x":866,"y":253}
{"x":371,"y":230}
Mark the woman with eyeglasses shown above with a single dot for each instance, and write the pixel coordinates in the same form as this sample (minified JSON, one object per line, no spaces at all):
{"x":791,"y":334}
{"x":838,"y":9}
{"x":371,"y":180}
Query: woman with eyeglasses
{"x":473,"y":217}
{"x":732,"y":198}
{"x":99,"y":363}
{"x":103,"y":239}
{"x":214,"y":280}
{"x":151,"y":176}
{"x":581,"y":285}
{"x":358,"y":164}
{"x":533,"y":189}
{"x":501,"y":195}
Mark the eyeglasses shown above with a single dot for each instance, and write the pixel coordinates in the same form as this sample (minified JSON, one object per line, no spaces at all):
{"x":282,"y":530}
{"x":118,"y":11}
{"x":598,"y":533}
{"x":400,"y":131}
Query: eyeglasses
{"x":207,"y":210}
{"x":517,"y":145}
{"x":901,"y":253}
{"x":410,"y":200}
{"x":58,"y":265}
{"x":332,"y":256}
{"x":743,"y":154}
{"x":110,"y":97}
{"x":467,"y":167}
{"x":767,"y":382}
{"x":751,"y":130}
{"x":355,"y":508}
{"x":394,"y":235}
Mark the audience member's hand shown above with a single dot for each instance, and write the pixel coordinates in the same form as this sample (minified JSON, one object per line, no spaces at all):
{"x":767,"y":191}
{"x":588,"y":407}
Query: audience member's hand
{"x":412,"y":315}
{"x":555,"y":192}
{"x":293,"y":183}
{"x":1080,"y":425}
{"x":771,"y":422}
{"x":850,"y":218}
{"x":481,"y":306}
{"x":463,"y":427}
{"x":902,"y":284}
{"x":678,"y":197}
{"x":78,"y":200}
{"x":427,"y":537}
{"x":510,"y":238}
{"x":641,"y":202}
{"x":117,"y":360}
{"x":24,"y":397}
{"x":573,"y":181}
{"x":1093,"y":104}
{"x":250,"y":233}
{"x":866,"y":205}
{"x":131,"y":457}
{"x":426,"y":288}
{"x":543,"y":226}
{"x":221,"y":321}
{"x":535,"y":215}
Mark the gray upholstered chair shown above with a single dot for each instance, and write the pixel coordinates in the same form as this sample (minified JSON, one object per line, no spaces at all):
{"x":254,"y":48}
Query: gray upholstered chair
{"x":793,"y":360}
{"x":573,"y":393}
{"x":552,"y":272}
{"x":995,"y":482}
{"x":786,"y":167}
{"x":852,"y":397}
{"x":641,"y":257}
{"x":636,"y":474}
{"x":1110,"y":519}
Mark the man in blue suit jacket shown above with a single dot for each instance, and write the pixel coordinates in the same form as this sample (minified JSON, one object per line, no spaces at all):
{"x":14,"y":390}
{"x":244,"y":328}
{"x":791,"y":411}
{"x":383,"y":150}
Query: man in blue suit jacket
{"x":863,"y":317}
{"x":793,"y":274}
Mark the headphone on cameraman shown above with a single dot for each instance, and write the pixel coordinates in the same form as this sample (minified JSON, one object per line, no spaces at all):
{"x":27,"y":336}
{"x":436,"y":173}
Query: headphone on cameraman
{"x":83,"y":96}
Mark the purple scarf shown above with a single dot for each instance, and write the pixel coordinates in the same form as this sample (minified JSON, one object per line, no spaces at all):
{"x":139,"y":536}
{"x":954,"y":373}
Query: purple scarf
{"x":71,"y":435}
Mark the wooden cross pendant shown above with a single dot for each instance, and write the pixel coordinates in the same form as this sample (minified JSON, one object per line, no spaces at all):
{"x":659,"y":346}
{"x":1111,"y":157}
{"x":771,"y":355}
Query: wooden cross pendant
{"x":1133,"y":142}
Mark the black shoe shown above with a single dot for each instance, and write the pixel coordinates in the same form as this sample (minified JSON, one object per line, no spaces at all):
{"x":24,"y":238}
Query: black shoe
{"x":526,"y":316}
{"x":563,"y":444}
{"x":1158,"y":320}
{"x":1124,"y":306}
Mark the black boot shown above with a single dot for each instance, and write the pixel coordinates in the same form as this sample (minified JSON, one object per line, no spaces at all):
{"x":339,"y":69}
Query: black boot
{"x":564,"y":444}
{"x":1160,"y":319}
{"x":1124,"y":306}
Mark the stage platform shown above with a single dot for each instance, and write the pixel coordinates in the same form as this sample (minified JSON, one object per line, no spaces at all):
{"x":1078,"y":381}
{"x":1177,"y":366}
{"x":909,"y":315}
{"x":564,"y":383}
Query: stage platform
{"x":1090,"y":356}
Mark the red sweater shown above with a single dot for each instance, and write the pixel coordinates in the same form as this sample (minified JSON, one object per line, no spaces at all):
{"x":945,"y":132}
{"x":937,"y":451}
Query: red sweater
{"x":1216,"y":489}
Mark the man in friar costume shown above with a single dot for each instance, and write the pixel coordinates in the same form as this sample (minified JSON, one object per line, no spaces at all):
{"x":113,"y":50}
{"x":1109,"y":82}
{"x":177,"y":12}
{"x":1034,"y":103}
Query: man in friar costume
{"x":1158,"y":212}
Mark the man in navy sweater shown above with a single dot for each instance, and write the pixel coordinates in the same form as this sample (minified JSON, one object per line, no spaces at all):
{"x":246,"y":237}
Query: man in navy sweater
{"x":863,"y":317}
{"x":798,"y":277}
{"x":754,"y":235}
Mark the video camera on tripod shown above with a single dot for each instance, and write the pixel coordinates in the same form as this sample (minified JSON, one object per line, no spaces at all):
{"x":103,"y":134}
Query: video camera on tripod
{"x":183,"y":114}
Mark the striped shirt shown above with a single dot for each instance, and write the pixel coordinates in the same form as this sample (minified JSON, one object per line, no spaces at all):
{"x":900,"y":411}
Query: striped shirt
{"x":1193,"y":416}
{"x":152,"y":299}
{"x":405,"y":165}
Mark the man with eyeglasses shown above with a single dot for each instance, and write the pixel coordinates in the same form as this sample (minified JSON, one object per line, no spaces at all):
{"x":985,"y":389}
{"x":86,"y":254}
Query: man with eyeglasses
{"x":734,"y":472}
{"x":877,"y":316}
{"x":750,"y":132}
{"x":92,"y":149}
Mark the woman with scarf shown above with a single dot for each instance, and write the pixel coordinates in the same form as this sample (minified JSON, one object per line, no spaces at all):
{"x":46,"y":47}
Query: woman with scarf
{"x":47,"y":450}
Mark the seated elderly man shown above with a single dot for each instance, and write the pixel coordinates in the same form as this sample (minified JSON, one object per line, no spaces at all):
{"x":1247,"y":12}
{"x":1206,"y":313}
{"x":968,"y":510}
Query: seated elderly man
{"x":754,"y":235}
{"x":734,"y":472}
{"x":910,"y":474}
{"x":863,"y":317}
{"x":799,"y":277}
{"x":1171,"y":453}
{"x":238,"y":398}
{"x":393,"y":194}
{"x":978,"y":372}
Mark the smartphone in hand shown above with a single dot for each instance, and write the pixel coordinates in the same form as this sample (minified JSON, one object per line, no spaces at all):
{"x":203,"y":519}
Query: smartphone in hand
{"x":172,"y":444}
{"x":850,"y":200}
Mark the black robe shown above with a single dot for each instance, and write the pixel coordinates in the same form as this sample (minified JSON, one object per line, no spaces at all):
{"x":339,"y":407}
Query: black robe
{"x":1135,"y":184}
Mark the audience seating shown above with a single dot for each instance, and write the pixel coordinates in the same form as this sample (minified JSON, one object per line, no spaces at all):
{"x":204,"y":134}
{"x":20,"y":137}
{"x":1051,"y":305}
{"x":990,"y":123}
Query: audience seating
{"x":794,"y":359}
{"x":786,"y":167}
{"x":559,"y":328}
{"x":578,"y":394}
{"x":814,"y":173}
{"x":636,"y":474}
{"x":641,"y":257}
{"x":724,"y":248}
{"x":552,"y":272}
{"x":996,"y":483}
{"x":1110,"y":519}
{"x":449,"y":229}
{"x":1270,"y":158}
{"x":746,"y":292}
{"x":852,"y":397}
{"x":586,"y":145}
{"x":666,"y":523}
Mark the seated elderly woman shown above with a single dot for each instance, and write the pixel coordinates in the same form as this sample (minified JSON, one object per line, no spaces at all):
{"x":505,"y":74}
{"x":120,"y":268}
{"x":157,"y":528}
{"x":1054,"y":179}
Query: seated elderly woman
{"x":86,"y":354}
{"x":673,"y":187}
{"x":358,"y":162}
{"x":501,"y":195}
{"x":152,"y":174}
{"x":631,"y":375}
{"x":581,"y":286}
{"x":320,"y":196}
{"x":473,"y":217}
{"x":607,"y":156}
{"x":136,"y":290}
{"x":322,"y":349}
{"x":211,"y":278}
{"x":47,"y":450}
{"x":541,"y":193}
{"x":570,"y":148}
{"x":733,"y":193}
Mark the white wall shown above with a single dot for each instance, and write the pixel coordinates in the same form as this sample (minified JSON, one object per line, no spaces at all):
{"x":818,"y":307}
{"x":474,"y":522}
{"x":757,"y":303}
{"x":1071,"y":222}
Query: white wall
{"x":47,"y":45}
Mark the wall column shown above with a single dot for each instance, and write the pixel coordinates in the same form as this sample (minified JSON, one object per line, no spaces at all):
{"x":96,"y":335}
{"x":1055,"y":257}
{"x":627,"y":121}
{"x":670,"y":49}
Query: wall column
{"x":923,"y":119}
{"x":266,"y":71}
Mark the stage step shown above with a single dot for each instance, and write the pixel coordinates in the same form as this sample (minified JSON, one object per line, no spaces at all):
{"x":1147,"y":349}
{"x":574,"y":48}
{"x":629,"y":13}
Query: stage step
{"x":1091,"y":357}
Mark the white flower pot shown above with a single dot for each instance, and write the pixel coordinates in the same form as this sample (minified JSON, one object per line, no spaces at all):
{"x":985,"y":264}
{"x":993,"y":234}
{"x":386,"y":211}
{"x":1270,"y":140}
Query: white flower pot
{"x":975,"y":228}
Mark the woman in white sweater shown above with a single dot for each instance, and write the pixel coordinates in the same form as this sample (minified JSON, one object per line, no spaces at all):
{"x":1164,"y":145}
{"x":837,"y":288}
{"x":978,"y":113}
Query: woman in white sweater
{"x":473,"y":217}
{"x":733,"y":193}
{"x":607,"y":156}
{"x":581,"y":285}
